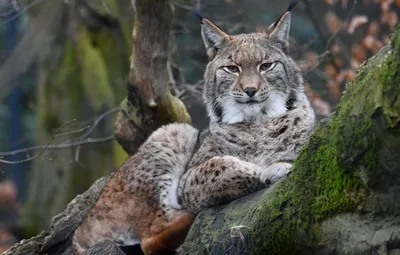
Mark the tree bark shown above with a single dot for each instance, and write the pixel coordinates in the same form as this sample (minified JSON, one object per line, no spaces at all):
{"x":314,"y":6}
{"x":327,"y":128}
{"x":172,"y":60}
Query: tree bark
{"x":81,"y":75}
{"x":150,"y":103}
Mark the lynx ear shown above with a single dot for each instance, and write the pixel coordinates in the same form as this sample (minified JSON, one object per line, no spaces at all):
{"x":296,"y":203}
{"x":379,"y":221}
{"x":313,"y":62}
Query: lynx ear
{"x":279,"y":31}
{"x":213,"y":37}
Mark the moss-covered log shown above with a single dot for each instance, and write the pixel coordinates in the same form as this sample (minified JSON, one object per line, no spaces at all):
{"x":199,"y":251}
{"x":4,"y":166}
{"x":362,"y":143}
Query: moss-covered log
{"x":342,"y":196}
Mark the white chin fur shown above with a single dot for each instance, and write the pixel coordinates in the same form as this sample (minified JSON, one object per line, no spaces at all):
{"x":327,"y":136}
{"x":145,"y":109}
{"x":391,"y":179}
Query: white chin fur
{"x":275,"y":106}
{"x":233,"y":112}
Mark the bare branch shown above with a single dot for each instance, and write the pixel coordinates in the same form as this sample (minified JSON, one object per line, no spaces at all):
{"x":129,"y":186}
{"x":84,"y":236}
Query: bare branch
{"x":56,"y":147}
{"x":15,"y":5}
{"x":321,"y":59}
{"x":40,"y":153}
{"x":71,"y":132}
{"x":315,"y":22}
{"x":97,"y":121}
{"x":320,"y":32}
{"x":20,"y":11}
{"x":105,"y":6}
{"x":341,"y":26}
{"x":133,"y":3}
{"x":67,"y":144}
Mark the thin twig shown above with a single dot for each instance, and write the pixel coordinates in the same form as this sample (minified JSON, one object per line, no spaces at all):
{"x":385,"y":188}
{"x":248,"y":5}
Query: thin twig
{"x":21,"y":11}
{"x":320,"y":32}
{"x":95,"y":123}
{"x":133,"y":3}
{"x":98,"y":119}
{"x":15,"y":5}
{"x":321,"y":58}
{"x":67,"y":143}
{"x":73,"y":131}
{"x":40,"y":152}
{"x":63,"y":146}
{"x":105,"y":6}
{"x":315,"y":22}
{"x":341,"y":26}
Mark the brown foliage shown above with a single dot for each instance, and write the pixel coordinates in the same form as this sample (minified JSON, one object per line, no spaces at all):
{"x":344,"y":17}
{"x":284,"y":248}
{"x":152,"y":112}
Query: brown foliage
{"x":353,"y":34}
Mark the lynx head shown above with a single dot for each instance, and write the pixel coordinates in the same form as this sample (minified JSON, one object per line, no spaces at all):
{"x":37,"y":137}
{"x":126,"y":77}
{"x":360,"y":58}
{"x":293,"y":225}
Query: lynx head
{"x":250,"y":77}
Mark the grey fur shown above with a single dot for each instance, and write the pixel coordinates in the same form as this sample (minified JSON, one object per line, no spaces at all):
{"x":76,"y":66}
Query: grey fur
{"x":250,"y":144}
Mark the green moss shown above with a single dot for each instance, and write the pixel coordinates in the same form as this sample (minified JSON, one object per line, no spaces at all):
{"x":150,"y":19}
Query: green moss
{"x":119,"y":154}
{"x":94,"y":75}
{"x":325,"y":178}
{"x":390,"y":77}
{"x":177,"y":111}
{"x":323,"y":181}
{"x":28,"y":216}
{"x":111,"y":46}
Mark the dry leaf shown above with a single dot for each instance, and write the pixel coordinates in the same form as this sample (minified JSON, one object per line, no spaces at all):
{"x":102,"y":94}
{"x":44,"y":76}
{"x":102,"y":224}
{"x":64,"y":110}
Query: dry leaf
{"x":356,"y":22}
{"x":330,"y":70}
{"x":358,"y":53}
{"x":385,"y":6}
{"x":8,"y":193}
{"x":392,"y":21}
{"x":332,"y":21}
{"x":369,"y":42}
{"x":354,"y":64}
{"x":335,"y":91}
{"x":335,"y":48}
{"x":373,"y":28}
{"x":321,"y":106}
{"x":312,"y":59}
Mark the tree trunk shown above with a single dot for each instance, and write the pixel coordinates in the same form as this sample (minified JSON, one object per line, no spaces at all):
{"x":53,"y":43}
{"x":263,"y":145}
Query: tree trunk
{"x":150,"y":103}
{"x":342,"y":196}
{"x":81,"y":75}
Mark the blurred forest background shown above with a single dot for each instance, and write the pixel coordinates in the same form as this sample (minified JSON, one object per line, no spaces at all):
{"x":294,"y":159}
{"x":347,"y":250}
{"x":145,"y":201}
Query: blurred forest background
{"x":63,"y":66}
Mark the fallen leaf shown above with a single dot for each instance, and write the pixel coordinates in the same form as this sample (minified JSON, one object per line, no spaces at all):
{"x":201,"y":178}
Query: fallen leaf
{"x":356,"y":22}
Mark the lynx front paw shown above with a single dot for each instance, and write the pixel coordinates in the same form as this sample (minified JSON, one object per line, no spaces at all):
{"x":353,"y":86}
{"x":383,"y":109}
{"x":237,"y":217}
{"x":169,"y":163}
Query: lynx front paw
{"x":275,"y":172}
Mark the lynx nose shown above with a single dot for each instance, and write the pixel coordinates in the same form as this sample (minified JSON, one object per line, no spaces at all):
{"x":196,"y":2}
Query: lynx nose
{"x":250,"y":91}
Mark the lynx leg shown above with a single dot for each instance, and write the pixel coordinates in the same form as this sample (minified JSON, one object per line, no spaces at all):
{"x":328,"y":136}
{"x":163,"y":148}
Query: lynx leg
{"x":218,"y":180}
{"x":140,"y":201}
{"x":276,"y":171}
{"x":169,"y":239}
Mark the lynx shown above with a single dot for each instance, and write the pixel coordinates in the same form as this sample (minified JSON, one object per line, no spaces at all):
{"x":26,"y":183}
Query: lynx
{"x":260,"y":118}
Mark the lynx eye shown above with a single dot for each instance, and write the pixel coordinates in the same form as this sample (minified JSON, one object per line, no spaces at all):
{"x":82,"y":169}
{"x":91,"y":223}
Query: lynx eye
{"x":267,"y":66}
{"x":232,"y":69}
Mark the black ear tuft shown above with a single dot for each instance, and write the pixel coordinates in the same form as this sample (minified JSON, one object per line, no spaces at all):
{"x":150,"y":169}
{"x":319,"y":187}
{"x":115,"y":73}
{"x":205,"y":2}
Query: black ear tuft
{"x":198,"y":15}
{"x":292,"y":4}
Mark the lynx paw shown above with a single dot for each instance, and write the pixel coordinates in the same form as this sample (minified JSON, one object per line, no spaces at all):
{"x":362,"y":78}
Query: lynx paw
{"x":275,"y":172}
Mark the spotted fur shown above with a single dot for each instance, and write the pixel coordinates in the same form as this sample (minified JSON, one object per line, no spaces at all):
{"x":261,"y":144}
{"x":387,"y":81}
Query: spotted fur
{"x":260,"y":118}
